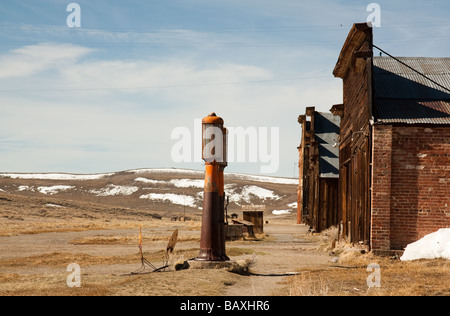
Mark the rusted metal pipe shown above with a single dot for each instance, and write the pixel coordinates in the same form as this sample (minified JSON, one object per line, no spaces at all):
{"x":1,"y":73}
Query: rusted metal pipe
{"x":210,"y":240}
{"x":222,"y":250}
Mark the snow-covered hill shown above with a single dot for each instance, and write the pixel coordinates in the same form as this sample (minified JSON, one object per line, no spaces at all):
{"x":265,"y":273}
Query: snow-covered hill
{"x":154,"y":189}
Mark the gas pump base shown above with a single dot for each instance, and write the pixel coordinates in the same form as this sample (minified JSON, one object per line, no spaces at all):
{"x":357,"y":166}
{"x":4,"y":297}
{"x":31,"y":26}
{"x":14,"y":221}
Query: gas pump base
{"x":196,"y":264}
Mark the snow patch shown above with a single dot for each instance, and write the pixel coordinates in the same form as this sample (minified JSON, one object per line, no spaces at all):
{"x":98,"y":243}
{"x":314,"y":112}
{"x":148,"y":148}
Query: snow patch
{"x":150,"y":181}
{"x":281,"y":212}
{"x":172,"y":198}
{"x":179,"y":183}
{"x":251,"y":191}
{"x":25,"y":188}
{"x":112,"y":190}
{"x":188,"y":183}
{"x":54,"y":189}
{"x":53,"y":205}
{"x":432,"y":246}
{"x":292,"y":205}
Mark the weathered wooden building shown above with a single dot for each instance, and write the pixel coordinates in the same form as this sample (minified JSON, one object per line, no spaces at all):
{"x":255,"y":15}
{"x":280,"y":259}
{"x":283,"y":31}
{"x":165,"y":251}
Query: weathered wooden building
{"x":394,"y":144}
{"x":317,"y":194}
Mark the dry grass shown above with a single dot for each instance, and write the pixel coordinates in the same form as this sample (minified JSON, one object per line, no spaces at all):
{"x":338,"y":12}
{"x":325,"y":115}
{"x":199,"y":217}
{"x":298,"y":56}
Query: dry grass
{"x":46,"y":275}
{"x":127,"y":240}
{"x":15,"y":227}
{"x":349,"y":277}
{"x":328,"y":238}
{"x":189,"y":282}
{"x":58,"y":259}
{"x":306,"y":284}
{"x":8,"y":229}
{"x":21,"y":215}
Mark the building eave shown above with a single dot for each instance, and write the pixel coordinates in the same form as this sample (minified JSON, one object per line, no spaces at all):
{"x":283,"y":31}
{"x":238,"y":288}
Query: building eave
{"x":359,"y":34}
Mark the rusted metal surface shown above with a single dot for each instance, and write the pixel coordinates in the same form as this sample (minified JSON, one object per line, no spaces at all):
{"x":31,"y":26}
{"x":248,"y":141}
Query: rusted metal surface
{"x":212,"y":118}
{"x":212,"y":240}
{"x":222,"y":250}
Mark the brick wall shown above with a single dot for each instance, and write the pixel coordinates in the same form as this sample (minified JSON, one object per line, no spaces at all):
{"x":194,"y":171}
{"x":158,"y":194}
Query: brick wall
{"x":381,"y":187}
{"x":410,"y":184}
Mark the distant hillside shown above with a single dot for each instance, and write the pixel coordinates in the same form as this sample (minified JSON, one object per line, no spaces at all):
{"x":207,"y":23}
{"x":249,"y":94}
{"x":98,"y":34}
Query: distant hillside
{"x":161,"y":190}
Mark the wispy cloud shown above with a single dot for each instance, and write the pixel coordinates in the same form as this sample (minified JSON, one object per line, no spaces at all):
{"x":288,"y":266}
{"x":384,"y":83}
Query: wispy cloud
{"x":100,"y":109}
{"x":32,"y":59}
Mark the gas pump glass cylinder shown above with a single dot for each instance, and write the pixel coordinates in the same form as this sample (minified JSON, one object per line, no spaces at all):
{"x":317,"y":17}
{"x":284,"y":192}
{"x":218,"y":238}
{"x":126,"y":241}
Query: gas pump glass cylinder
{"x":212,"y":139}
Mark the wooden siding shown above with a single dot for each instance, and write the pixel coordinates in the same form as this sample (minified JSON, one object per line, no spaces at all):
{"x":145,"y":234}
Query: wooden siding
{"x":317,"y":196}
{"x":355,"y":136}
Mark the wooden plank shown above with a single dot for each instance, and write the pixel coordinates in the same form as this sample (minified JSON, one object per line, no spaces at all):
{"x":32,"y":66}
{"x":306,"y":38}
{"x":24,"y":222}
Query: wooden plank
{"x":242,"y":222}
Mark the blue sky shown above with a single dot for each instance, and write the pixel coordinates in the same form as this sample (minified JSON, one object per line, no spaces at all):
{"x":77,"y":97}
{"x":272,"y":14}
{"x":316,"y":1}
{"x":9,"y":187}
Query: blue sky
{"x":107,"y":96}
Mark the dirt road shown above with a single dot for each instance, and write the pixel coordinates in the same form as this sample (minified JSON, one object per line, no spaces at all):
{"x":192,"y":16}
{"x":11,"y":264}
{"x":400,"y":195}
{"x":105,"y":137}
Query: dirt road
{"x":288,"y":249}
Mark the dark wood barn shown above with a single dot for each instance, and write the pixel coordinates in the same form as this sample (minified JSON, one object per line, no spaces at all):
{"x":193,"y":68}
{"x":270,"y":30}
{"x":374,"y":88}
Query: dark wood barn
{"x":317,"y":195}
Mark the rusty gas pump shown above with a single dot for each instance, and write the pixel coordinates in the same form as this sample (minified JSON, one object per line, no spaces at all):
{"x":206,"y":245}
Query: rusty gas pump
{"x":214,"y":148}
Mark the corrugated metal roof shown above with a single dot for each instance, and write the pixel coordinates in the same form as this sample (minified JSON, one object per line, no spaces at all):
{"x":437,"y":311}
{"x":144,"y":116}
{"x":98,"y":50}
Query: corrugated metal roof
{"x":426,"y":65}
{"x":404,"y":96}
{"x":413,"y":111}
{"x":326,"y":127}
{"x":410,"y":86}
